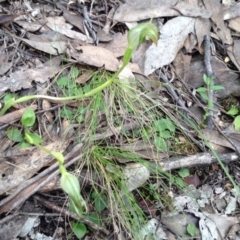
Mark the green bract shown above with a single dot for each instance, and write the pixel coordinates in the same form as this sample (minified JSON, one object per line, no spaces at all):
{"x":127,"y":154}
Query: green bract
{"x":28,"y":118}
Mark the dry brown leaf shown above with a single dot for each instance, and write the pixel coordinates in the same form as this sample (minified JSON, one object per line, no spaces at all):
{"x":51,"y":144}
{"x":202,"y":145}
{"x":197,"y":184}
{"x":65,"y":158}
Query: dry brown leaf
{"x":172,"y":38}
{"x":45,"y":106}
{"x":103,"y":36}
{"x":139,"y":53}
{"x":202,"y":28}
{"x":75,"y":20}
{"x":234,"y":24}
{"x":59,"y":25}
{"x":217,"y":138}
{"x":232,"y":12}
{"x":181,"y":63}
{"x":95,"y":56}
{"x":52,"y":48}
{"x":30,"y":26}
{"x":22,"y":79}
{"x":220,"y":27}
{"x":138,"y":10}
{"x":193,"y":179}
{"x":190,"y":43}
{"x":84,"y":77}
{"x":6,"y":19}
{"x":236,"y":50}
{"x":118,"y":45}
{"x":191,"y":10}
{"x":5,"y":64}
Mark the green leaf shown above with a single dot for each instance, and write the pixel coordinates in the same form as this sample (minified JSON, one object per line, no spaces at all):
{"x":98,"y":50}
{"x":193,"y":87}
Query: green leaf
{"x":100,"y":201}
{"x":179,"y":182}
{"x":210,"y":105}
{"x":164,"y":124}
{"x":86,"y":88}
{"x":191,"y":229}
{"x":28,"y":118}
{"x":71,"y":85}
{"x":146,"y":134}
{"x":66,"y":113}
{"x":74,"y":73}
{"x":73,"y":209}
{"x":217,"y":87}
{"x":24,"y":144}
{"x":165,"y":134}
{"x":207,"y":80}
{"x":62,"y":82}
{"x":7,"y":97}
{"x":32,"y":138}
{"x":14,"y":134}
{"x":236,"y":123}
{"x":201,"y":90}
{"x":79,"y":229}
{"x":204,"y":96}
{"x":161,"y":144}
{"x":233,"y":111}
{"x":93,"y":217}
{"x":183,"y":173}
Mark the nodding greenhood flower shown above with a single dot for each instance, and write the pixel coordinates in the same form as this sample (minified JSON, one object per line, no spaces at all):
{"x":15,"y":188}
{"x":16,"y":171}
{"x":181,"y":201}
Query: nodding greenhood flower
{"x":137,"y":35}
{"x":70,"y":185}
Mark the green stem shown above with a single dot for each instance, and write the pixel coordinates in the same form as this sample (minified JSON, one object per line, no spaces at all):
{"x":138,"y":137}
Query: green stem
{"x":88,"y":94}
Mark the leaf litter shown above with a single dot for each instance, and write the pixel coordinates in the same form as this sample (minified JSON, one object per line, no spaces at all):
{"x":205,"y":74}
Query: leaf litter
{"x":45,"y":40}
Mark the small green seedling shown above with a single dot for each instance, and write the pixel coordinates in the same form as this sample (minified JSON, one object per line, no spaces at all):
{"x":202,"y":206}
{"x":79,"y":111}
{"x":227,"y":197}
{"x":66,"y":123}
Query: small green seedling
{"x":27,"y":120}
{"x":234,"y":111}
{"x":164,"y":129}
{"x":205,"y":93}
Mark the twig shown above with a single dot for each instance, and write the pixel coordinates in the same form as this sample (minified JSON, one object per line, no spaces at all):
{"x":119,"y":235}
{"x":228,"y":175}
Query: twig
{"x":208,"y":67}
{"x":51,"y":205}
{"x":195,"y":160}
{"x":88,"y":24}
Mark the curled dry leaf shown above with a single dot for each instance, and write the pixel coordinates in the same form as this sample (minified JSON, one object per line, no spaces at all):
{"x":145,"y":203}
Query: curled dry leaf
{"x":95,"y":56}
{"x":138,"y":10}
{"x":191,"y":10}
